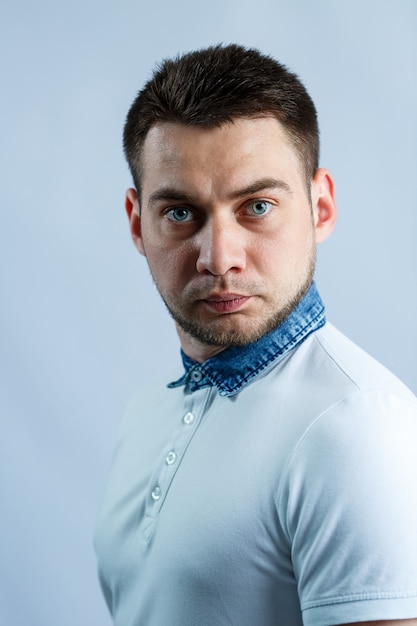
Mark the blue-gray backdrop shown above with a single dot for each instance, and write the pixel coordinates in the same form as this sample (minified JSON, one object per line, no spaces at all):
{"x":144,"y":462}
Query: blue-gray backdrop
{"x":79,"y":315}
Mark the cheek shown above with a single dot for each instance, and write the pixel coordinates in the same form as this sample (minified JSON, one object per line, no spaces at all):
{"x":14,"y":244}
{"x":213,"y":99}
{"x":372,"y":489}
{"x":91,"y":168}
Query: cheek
{"x":288,"y":252}
{"x":287,"y":243}
{"x":170,"y":265}
{"x":301,"y":235}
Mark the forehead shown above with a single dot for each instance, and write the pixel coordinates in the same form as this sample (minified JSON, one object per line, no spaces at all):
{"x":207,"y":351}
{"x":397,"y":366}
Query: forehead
{"x":229,"y":154}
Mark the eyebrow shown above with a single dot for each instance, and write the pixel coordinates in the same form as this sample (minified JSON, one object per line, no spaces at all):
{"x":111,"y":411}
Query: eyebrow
{"x":263,"y":184}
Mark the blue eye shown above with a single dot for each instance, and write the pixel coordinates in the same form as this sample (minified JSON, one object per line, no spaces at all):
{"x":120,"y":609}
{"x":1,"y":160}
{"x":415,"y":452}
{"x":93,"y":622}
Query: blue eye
{"x":180,"y":214}
{"x":260,"y":207}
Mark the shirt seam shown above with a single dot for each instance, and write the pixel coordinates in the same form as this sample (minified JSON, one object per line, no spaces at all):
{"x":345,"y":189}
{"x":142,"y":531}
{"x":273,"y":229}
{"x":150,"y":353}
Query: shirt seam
{"x":303,"y":436}
{"x":337,"y":364}
{"x":356,"y":392}
{"x":355,"y":597}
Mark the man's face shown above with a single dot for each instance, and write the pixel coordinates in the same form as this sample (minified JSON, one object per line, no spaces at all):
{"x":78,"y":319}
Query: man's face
{"x":227,"y":227}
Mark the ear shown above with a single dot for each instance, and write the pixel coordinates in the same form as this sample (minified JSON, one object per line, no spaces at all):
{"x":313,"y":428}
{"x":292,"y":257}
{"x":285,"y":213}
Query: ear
{"x":324,"y":204}
{"x":133,"y":214}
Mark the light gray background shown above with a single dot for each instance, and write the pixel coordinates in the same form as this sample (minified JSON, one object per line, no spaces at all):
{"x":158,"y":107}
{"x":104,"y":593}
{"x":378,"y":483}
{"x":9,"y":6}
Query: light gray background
{"x":81,"y":323}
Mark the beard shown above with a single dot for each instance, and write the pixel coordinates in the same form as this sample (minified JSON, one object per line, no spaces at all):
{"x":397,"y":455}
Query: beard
{"x":235,"y":329}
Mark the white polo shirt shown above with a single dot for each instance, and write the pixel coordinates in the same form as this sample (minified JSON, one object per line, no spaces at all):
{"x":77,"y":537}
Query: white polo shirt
{"x":291,"y":501}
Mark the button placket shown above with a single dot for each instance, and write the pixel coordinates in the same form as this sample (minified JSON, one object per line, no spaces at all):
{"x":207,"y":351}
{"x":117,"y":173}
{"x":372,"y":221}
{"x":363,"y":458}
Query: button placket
{"x":171,"y":460}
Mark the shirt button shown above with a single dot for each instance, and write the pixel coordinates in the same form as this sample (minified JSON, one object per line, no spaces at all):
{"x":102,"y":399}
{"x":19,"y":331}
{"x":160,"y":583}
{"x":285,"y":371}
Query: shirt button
{"x":196,"y":376}
{"x":188,"y":418}
{"x":156,"y":493}
{"x":171,"y":458}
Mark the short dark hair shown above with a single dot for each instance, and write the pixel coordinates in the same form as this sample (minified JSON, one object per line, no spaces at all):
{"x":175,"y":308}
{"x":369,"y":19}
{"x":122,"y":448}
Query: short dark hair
{"x":216,"y":85}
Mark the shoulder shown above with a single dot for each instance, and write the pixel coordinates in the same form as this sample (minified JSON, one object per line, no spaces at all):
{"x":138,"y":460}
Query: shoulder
{"x":363,"y":414}
{"x":359,"y":435}
{"x":347,"y":360}
{"x":328,"y":388}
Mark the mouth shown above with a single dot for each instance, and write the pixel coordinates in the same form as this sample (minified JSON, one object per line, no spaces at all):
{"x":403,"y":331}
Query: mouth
{"x":225,"y":303}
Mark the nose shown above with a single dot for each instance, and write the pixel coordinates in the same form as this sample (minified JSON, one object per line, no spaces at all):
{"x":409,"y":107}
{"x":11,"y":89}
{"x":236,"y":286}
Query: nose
{"x":221,"y":248}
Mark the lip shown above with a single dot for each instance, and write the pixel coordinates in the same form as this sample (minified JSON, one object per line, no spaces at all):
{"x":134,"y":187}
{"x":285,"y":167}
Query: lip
{"x":225,"y":303}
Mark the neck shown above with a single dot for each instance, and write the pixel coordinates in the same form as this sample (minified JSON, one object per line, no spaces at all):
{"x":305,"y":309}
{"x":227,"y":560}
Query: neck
{"x":195,"y":349}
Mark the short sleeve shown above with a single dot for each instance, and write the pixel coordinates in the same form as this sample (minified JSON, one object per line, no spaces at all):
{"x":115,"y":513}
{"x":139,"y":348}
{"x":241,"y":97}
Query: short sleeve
{"x":349,"y":510}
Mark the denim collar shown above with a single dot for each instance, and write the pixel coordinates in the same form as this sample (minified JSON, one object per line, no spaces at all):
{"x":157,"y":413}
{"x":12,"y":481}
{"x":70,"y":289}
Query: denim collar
{"x":235,"y":367}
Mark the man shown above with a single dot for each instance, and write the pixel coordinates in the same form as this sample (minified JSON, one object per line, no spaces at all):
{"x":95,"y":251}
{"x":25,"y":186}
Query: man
{"x":274,"y":483}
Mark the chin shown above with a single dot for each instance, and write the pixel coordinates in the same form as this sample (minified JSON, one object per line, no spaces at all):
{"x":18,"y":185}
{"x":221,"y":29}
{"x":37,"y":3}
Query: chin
{"x":229,"y":333}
